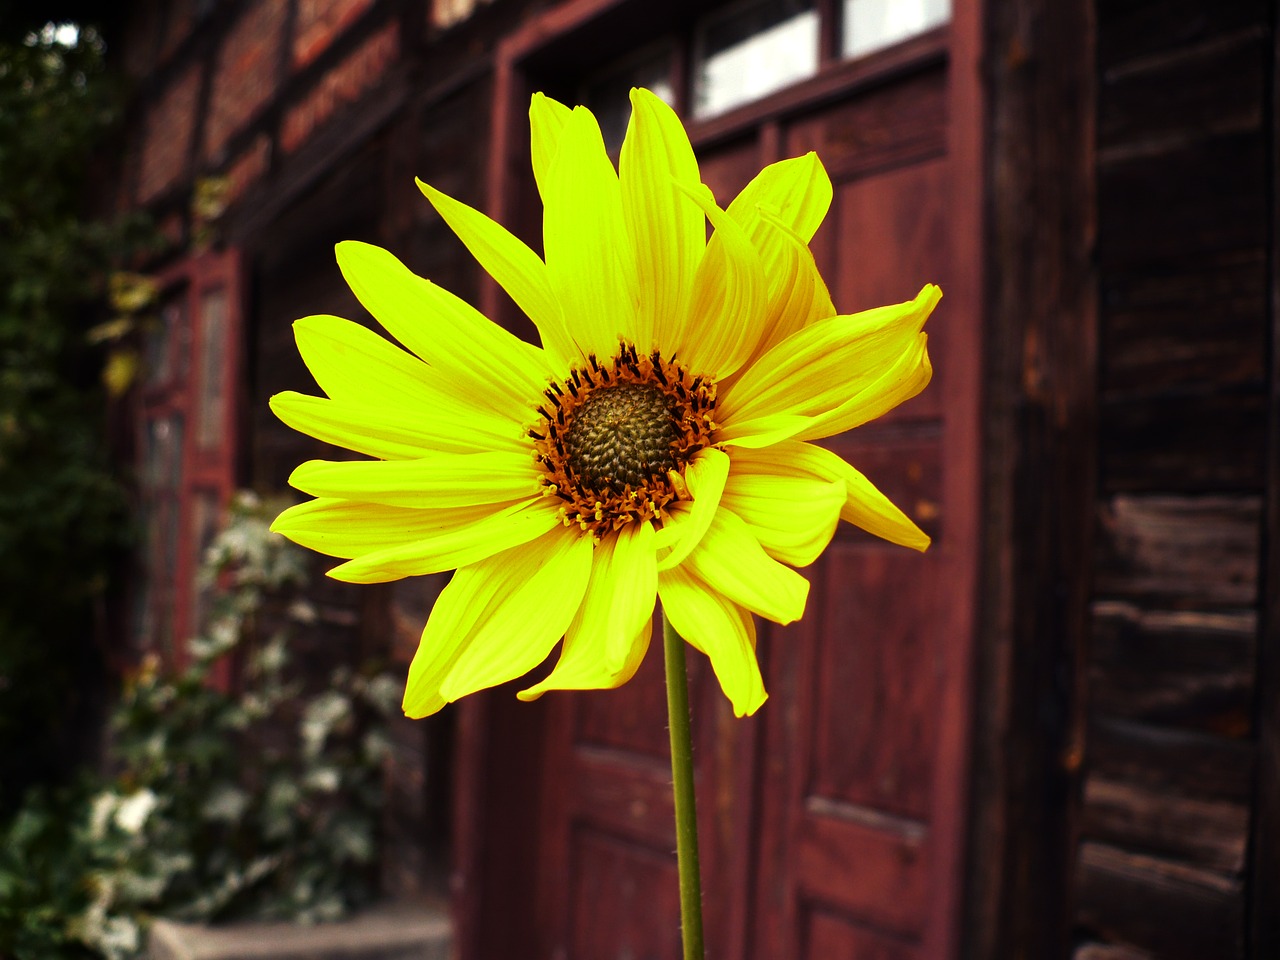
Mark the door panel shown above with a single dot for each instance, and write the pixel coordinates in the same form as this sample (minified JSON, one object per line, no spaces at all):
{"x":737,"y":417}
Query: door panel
{"x":874,"y":676}
{"x":850,"y":854}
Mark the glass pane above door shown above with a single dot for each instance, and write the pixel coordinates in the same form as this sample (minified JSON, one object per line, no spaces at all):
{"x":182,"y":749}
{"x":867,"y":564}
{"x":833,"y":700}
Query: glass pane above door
{"x":751,"y":50}
{"x":870,"y":25}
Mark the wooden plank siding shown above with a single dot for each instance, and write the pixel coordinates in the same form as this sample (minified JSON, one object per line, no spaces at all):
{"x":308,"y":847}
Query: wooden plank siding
{"x":1184,"y":229}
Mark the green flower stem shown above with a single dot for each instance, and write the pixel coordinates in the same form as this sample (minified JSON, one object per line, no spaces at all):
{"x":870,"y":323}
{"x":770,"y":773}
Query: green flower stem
{"x":682,"y":787}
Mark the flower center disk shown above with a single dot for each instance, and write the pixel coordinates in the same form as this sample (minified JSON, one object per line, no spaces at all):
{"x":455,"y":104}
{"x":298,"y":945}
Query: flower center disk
{"x":615,"y":437}
{"x":622,"y":436}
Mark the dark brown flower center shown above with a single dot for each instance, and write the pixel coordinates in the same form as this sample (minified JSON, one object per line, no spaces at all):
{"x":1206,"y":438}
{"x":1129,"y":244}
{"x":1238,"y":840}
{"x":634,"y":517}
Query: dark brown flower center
{"x":615,"y":436}
{"x":622,"y":435}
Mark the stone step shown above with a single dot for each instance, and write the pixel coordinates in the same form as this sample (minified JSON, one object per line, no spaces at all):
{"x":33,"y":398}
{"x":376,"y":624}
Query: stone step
{"x":387,"y":932}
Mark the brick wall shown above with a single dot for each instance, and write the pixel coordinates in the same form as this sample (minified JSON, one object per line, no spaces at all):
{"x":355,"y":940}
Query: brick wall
{"x":246,"y":73}
{"x":166,"y":142}
{"x":344,"y":84}
{"x":319,"y":23}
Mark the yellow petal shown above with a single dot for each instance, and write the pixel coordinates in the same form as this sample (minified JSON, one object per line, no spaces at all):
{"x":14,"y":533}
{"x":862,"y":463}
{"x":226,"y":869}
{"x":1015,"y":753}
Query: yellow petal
{"x":897,"y":383}
{"x":582,"y":664}
{"x":445,"y":544}
{"x":498,"y":619}
{"x":353,"y":364}
{"x":666,"y":228}
{"x":864,"y":506}
{"x":547,"y":118}
{"x":608,"y":636}
{"x":794,"y":518}
{"x":726,"y":305}
{"x":590,"y":260}
{"x":734,"y":564}
{"x":689,"y":521}
{"x":516,"y":268}
{"x":443,"y":330}
{"x":720,"y":629}
{"x":818,"y":369}
{"x":542,"y":591}
{"x":796,"y":192}
{"x":441,"y":480}
{"x":762,"y":431}
{"x":394,"y":433}
{"x":797,"y":294}
{"x":349,"y":528}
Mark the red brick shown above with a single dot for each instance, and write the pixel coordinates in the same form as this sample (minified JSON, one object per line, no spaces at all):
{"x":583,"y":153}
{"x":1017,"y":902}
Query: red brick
{"x":319,"y":22}
{"x":245,"y":76}
{"x":249,"y":167}
{"x":342,"y":85}
{"x":166,"y":136}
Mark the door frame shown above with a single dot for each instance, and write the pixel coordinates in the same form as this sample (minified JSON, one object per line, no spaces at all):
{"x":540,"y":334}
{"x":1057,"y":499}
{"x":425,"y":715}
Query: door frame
{"x":487,"y":719}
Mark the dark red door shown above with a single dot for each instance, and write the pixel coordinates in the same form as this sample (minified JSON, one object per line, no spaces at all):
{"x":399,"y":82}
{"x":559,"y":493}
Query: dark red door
{"x":831,"y":822}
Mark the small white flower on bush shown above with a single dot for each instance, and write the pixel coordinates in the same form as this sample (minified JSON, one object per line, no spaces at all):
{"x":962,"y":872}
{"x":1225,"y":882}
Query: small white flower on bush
{"x":323,"y":780}
{"x":102,"y":808}
{"x":132,"y":813}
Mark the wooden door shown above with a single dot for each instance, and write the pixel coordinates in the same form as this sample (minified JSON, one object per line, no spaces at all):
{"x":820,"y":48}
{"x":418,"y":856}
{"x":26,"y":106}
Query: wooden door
{"x":832,"y":822}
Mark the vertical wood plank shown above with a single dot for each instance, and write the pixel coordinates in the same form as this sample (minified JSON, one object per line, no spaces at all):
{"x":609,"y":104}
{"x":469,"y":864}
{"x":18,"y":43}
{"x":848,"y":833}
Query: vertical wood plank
{"x":1039,"y":475}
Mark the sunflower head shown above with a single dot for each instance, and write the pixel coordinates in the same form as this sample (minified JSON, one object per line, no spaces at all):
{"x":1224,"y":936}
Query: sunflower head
{"x":655,"y":446}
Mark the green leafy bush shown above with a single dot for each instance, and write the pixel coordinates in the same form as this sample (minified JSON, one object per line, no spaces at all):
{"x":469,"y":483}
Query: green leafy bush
{"x":63,"y":518}
{"x":258,"y":802}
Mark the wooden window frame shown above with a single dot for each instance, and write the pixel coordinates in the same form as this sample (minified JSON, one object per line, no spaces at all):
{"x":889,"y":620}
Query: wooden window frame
{"x":206,"y":469}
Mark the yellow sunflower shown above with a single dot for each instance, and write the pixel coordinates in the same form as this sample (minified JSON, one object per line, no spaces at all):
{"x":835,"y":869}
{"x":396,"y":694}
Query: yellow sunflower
{"x":656,"y":445}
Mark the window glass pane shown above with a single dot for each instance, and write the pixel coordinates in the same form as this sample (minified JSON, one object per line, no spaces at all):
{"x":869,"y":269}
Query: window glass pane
{"x":164,"y":339}
{"x":161,"y":477}
{"x":162,"y":457}
{"x":211,"y":399}
{"x":872,"y":24}
{"x":608,"y":93}
{"x":750,"y":51}
{"x":206,"y":515}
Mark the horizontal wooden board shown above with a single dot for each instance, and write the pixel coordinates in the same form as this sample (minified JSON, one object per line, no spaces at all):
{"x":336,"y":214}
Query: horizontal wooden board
{"x":1183,"y":762}
{"x":1174,"y":911}
{"x":1180,"y":668}
{"x":1195,"y":322}
{"x":1203,"y":198}
{"x":829,"y":934}
{"x":1131,"y":30}
{"x":901,"y":123}
{"x":1185,"y":552}
{"x":875,"y":874}
{"x":1197,"y":442}
{"x":1109,"y":951}
{"x":628,"y":796}
{"x":1200,"y":92}
{"x":1204,"y":833}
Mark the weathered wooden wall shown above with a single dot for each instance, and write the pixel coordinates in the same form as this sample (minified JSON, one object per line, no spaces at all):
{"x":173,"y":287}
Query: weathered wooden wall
{"x":1118,"y":811}
{"x":1183,"y":187}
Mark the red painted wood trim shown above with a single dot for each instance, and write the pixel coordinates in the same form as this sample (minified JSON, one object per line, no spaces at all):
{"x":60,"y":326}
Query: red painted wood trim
{"x":960,"y":549}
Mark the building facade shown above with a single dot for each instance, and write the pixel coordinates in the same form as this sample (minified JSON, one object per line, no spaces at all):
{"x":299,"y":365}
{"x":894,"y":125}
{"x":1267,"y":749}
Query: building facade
{"x":1057,"y":733}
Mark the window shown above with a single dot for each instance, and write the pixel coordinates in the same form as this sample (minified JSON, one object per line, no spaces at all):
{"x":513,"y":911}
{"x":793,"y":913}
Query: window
{"x":869,"y":25}
{"x":747,"y":52}
{"x":186,"y":444}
